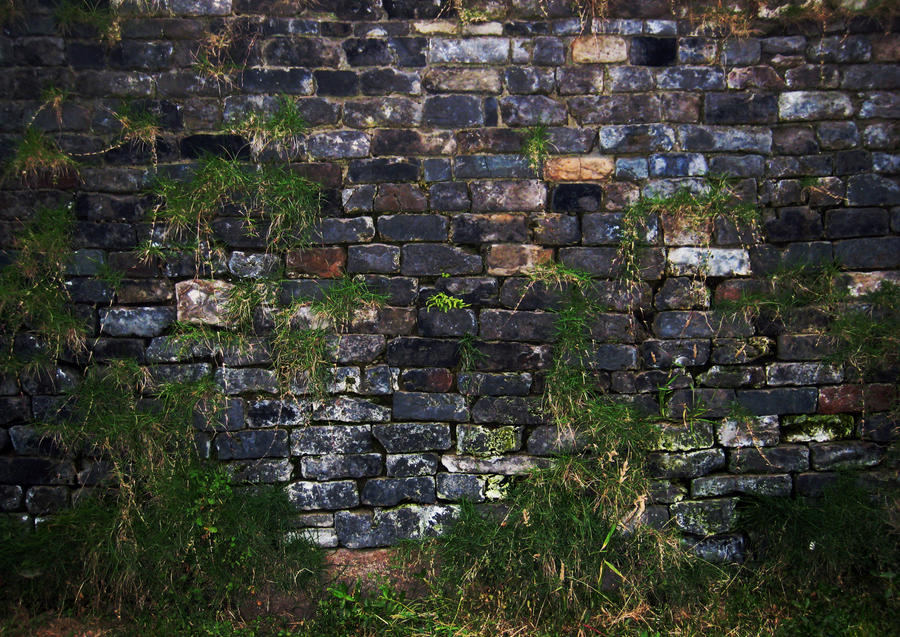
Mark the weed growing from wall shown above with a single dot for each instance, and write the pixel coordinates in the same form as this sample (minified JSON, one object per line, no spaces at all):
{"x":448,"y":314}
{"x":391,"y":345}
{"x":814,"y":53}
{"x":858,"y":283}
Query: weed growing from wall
{"x":276,"y":203}
{"x":281,"y":127}
{"x":536,"y":146}
{"x":38,"y":159}
{"x":343,"y":299}
{"x":469,"y":354}
{"x":33,"y":297}
{"x":218,"y":57}
{"x":163,"y":532}
{"x":94,"y":14}
{"x":862,"y":330}
{"x":686,"y":211}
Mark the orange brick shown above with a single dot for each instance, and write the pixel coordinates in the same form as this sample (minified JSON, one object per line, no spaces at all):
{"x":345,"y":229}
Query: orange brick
{"x":507,"y":259}
{"x":578,"y":168}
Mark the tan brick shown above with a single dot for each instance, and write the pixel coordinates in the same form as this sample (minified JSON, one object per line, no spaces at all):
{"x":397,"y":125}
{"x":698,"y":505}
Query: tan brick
{"x":590,"y":49}
{"x":462,"y":80}
{"x":201,"y":301}
{"x":507,"y":259}
{"x":324,"y":262}
{"x":578,"y":168}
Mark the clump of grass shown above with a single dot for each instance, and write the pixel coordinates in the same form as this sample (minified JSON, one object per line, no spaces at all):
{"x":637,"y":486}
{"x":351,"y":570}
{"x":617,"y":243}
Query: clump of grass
{"x":342,"y":300}
{"x":862,"y":329}
{"x":536,"y":146}
{"x":38,"y":159}
{"x":242,"y":301}
{"x":33,"y":295}
{"x":95,"y":14}
{"x":190,"y":338}
{"x":138,"y":126}
{"x":689,"y":210}
{"x":215,"y":58}
{"x":469,"y":354}
{"x":282,"y":126}
{"x":167,"y":532}
{"x":53,"y":98}
{"x":722,"y":19}
{"x":443,"y":302}
{"x":300,"y":354}
{"x":287,"y":202}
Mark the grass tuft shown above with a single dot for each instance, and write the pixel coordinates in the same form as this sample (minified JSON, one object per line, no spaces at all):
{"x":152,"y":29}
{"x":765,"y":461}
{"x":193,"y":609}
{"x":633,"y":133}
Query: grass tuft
{"x":277,"y":204}
{"x":97,"y":15}
{"x":37,"y":159}
{"x":280,"y":127}
{"x":536,"y":146}
{"x":33,"y":295}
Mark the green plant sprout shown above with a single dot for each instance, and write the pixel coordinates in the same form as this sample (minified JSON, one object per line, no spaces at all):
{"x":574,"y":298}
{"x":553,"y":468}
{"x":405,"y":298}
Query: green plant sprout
{"x":469,"y":354}
{"x":444,"y":302}
{"x":138,"y":126}
{"x":536,"y":146}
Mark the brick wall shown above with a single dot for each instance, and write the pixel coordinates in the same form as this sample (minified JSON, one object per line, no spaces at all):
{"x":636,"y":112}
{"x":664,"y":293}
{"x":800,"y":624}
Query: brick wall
{"x":417,"y":125}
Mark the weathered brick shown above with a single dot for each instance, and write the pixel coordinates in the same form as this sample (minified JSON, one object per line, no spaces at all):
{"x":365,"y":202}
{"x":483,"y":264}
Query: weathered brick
{"x":813,"y":105}
{"x":593,"y":49}
{"x":430,"y":406}
{"x":511,"y":259}
{"x":307,"y":496}
{"x":468,"y":51}
{"x":781,"y":459}
{"x":762,"y":431}
{"x":843,"y":398}
{"x":399,"y":438}
{"x":844,"y":455}
{"x":143,"y":321}
{"x":531,"y":110}
{"x":338,"y":145}
{"x":382,"y":111}
{"x":705,"y":517}
{"x":508,"y":196}
{"x":779,"y":401}
{"x":463,"y":80}
{"x":392,"y":491}
{"x":425,"y":259}
{"x":376,"y":257}
{"x":692,"y":464}
{"x":454,"y":322}
{"x":584,"y":168}
{"x":330,"y":467}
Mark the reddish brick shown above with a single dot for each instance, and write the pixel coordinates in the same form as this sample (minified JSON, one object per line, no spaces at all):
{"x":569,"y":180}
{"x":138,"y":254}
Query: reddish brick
{"x":324,"y":262}
{"x":842,"y":398}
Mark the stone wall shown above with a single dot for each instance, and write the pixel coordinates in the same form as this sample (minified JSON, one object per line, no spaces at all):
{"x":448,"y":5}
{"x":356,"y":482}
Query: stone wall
{"x":416,"y":129}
